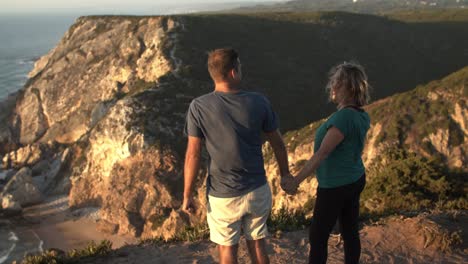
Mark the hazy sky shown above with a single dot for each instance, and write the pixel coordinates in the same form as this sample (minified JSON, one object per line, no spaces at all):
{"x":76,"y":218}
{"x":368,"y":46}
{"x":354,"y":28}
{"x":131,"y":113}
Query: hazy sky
{"x":16,"y":6}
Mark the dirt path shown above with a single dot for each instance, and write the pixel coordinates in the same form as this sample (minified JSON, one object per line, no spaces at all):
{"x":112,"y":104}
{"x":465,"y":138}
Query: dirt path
{"x":411,"y":240}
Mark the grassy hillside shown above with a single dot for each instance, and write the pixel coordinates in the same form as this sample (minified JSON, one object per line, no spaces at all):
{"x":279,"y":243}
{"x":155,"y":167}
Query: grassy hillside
{"x":359,"y":6}
{"x":287,"y":55}
{"x":412,"y":116}
{"x":447,"y":15}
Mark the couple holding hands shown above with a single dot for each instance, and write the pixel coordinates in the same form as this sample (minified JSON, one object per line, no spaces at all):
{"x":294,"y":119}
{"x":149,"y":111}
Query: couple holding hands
{"x":231,"y":121}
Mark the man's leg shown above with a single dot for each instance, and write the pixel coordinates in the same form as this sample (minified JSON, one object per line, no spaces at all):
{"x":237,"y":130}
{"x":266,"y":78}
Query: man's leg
{"x":255,"y":223}
{"x":224,"y":220}
{"x":257,"y":251}
{"x":228,"y":254}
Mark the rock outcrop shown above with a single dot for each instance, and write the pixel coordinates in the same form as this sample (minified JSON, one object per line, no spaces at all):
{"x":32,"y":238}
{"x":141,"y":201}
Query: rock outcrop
{"x":132,"y":169}
{"x":10,"y":206}
{"x":22,"y":189}
{"x":7,"y":142}
{"x":26,"y":156}
{"x":106,"y":58}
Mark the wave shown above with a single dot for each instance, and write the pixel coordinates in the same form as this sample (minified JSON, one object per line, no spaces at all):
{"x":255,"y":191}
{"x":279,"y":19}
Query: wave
{"x":20,"y":76}
{"x":13,"y":238}
{"x":41,"y":243}
{"x":28,"y":61}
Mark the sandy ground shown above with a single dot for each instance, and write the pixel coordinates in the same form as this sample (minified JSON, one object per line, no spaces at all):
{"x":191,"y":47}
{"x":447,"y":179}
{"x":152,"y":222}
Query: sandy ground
{"x":398,"y":240}
{"x":418,"y":239}
{"x":60,"y":228}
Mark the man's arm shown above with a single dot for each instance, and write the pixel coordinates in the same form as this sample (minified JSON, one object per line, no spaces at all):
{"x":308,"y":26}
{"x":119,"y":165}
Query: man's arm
{"x":277,"y":143}
{"x":191,"y":167}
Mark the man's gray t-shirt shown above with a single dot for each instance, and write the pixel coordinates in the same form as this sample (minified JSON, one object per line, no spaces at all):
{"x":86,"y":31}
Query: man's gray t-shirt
{"x":231,"y":125}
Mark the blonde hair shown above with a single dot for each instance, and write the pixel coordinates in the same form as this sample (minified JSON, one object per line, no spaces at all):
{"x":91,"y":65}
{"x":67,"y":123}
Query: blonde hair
{"x":352,"y":76}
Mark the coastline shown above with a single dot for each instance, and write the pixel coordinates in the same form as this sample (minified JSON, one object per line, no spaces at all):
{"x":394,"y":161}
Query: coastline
{"x":53,"y":225}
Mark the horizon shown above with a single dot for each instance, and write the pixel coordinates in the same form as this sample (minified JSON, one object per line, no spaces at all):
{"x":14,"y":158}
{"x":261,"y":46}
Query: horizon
{"x":137,"y":7}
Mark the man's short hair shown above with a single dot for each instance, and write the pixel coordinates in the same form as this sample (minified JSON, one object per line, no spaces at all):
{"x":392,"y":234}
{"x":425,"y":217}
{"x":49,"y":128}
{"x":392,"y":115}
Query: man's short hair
{"x":221,"y":62}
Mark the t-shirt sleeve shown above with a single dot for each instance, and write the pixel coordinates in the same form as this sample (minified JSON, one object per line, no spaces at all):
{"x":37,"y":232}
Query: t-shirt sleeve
{"x":342,"y":121}
{"x":192,"y":124}
{"x":270,"y":123}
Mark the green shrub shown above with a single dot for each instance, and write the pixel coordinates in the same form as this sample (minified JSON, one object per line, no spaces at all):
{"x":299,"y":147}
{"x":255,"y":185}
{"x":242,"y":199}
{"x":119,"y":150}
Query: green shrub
{"x":188,"y":233}
{"x":404,"y":181}
{"x":193,"y":233}
{"x":285,"y":220}
{"x":73,"y":256}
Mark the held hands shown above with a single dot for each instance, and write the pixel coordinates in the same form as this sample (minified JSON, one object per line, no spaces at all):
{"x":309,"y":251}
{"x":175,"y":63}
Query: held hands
{"x":289,"y":184}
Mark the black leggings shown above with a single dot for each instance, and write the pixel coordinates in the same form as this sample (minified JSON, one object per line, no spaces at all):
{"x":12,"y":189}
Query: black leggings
{"x":332,"y":204}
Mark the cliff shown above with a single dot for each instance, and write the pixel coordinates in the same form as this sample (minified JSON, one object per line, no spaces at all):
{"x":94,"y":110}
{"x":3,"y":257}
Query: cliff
{"x":102,"y":114}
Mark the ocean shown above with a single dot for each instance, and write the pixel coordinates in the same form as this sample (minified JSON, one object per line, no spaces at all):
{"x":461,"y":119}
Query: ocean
{"x":24,"y":39}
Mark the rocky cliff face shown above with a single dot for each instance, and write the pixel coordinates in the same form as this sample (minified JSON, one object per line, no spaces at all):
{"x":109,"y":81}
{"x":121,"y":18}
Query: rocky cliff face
{"x":101,"y":119}
{"x":108,"y":93}
{"x":73,"y":86}
{"x":132,"y":166}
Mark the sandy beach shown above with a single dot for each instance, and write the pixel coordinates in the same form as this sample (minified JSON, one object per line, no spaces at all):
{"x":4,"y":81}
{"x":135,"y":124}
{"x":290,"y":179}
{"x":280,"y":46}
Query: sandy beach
{"x":52,"y":225}
{"x":58,"y":227}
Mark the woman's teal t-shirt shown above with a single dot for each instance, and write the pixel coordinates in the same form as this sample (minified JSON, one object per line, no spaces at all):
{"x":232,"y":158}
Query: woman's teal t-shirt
{"x":344,"y":164}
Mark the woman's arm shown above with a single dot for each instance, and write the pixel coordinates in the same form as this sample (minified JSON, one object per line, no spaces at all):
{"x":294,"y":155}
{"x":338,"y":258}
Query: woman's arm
{"x":329,"y":143}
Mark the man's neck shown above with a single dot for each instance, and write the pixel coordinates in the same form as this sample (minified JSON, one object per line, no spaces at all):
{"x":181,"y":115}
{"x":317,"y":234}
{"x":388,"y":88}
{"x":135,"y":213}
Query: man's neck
{"x":226,"y":87}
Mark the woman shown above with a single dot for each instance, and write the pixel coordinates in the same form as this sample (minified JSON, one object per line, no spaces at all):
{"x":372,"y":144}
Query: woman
{"x":338,"y":164}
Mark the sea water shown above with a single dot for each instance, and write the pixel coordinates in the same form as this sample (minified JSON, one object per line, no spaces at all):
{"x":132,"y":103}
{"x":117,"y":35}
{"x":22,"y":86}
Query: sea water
{"x":24,"y":39}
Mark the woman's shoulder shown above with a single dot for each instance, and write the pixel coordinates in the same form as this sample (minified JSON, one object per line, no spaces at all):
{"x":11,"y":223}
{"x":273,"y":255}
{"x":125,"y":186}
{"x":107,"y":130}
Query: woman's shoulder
{"x":351,"y":111}
{"x":343,"y":113}
{"x":349,"y":115}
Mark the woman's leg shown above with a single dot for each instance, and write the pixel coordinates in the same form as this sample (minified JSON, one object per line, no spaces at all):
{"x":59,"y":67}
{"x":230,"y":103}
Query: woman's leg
{"x":349,"y":220}
{"x":326,"y":211}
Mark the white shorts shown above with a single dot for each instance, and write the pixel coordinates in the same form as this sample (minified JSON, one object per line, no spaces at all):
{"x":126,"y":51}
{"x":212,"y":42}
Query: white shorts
{"x":247,"y":214}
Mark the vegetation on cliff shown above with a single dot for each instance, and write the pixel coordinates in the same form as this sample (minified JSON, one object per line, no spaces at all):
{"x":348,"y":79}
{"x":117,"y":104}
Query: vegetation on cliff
{"x":74,"y":256}
{"x":360,"y":6}
{"x":287,"y":55}
{"x":402,"y":181}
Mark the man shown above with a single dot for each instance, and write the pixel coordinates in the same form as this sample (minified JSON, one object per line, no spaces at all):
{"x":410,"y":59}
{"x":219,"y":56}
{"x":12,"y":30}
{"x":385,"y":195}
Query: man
{"x":231,"y":121}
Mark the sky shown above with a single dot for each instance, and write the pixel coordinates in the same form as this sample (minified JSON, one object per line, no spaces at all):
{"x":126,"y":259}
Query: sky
{"x":57,"y":6}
